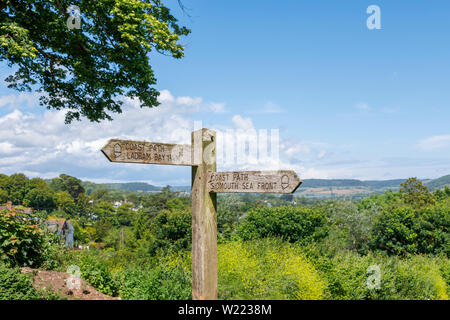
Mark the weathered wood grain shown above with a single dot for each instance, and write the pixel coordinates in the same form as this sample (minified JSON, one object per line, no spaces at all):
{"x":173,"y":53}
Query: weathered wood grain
{"x":282,"y":181}
{"x":204,"y":218}
{"x":130,"y":151}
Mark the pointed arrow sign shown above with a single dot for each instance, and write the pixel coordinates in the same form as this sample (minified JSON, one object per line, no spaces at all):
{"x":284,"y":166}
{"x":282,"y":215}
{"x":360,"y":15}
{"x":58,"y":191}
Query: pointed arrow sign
{"x":282,"y":181}
{"x":148,"y":152}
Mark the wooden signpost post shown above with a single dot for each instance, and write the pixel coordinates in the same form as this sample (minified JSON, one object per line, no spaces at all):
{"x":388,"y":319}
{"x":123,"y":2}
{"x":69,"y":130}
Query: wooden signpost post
{"x":206,"y":183}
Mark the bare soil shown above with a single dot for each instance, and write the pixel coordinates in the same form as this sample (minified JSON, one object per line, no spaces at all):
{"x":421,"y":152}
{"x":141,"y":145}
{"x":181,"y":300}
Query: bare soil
{"x":61,"y":282}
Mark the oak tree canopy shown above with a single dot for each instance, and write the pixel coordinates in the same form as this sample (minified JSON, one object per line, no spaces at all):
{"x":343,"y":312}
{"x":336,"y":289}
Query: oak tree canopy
{"x":87,"y":69}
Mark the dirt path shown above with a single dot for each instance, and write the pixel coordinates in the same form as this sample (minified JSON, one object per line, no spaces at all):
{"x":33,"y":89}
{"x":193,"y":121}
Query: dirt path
{"x":58,"y":282}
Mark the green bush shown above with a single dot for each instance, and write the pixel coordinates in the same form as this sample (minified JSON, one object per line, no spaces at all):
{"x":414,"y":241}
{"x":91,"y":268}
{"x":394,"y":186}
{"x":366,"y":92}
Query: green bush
{"x":171,"y":229}
{"x":17,"y":286}
{"x":407,"y":230}
{"x":21,"y":240}
{"x":394,"y":231}
{"x":432,"y":226}
{"x":348,"y":276}
{"x":420,"y":278}
{"x":266,"y":269}
{"x":290,"y":223}
{"x":95,"y":270}
{"x":169,"y":278}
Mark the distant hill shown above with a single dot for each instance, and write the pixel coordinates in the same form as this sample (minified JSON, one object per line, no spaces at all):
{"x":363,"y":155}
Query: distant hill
{"x":320,"y":183}
{"x":311,"y":188}
{"x":133,"y":186}
{"x":438,"y":183}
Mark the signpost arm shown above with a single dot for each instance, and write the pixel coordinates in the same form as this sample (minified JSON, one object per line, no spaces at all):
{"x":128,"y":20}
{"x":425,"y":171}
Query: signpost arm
{"x":204,"y":217}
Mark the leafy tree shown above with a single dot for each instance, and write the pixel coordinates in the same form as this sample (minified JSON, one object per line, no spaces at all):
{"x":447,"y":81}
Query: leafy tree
{"x":291,"y":223}
{"x":21,"y":240}
{"x":37,"y":183}
{"x":102,"y":228}
{"x":65,"y":202}
{"x":3,"y":196}
{"x":100,"y":195}
{"x":433,"y":229}
{"x":85,"y":70}
{"x":17,"y":187}
{"x":104,"y":210}
{"x":125,"y":214}
{"x":4,"y":181}
{"x":414,"y":193}
{"x":441,"y":194}
{"x":394,"y":231}
{"x":40,"y":198}
{"x":175,"y":204}
{"x":172,"y":229}
{"x":141,"y":225}
{"x":351,"y":225}
{"x":83,"y":204}
{"x":67,"y":183}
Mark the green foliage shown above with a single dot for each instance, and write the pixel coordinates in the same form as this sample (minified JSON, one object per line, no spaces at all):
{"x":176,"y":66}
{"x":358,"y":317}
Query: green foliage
{"x":290,"y":223}
{"x":3,"y":195}
{"x":96,"y":272}
{"x":394,"y":232}
{"x":420,"y":278}
{"x":432,"y":226}
{"x":171,"y":229}
{"x":347,"y":275}
{"x":17,"y":286}
{"x":17,"y":187}
{"x":123,"y":237}
{"x":40,"y":198}
{"x":125,"y":215}
{"x":266,"y":269}
{"x":175,"y":204}
{"x":86,"y":69}
{"x":21,"y":240}
{"x":406,"y":230}
{"x":104,"y":210}
{"x":140,"y":225}
{"x":65,"y":202}
{"x":168,"y":278}
{"x":351,"y":225}
{"x":414,"y":193}
{"x":67,"y":183}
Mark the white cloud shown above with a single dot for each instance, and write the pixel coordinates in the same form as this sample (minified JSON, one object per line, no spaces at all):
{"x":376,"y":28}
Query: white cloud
{"x":23,"y":99}
{"x":268,"y":108}
{"x":435,"y":143}
{"x":42,"y":143}
{"x":363,"y":106}
{"x":241,"y":123}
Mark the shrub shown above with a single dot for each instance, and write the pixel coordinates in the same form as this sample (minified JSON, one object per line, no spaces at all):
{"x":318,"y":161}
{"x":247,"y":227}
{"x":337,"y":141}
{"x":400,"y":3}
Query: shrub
{"x":290,"y":223}
{"x":406,"y":230}
{"x":347,"y":275}
{"x":21,"y":241}
{"x":433,"y":229}
{"x":17,"y":286}
{"x":169,"y":278}
{"x":95,"y":270}
{"x":419,"y":277}
{"x":266,"y":269}
{"x":171,"y":229}
{"x":394,"y":232}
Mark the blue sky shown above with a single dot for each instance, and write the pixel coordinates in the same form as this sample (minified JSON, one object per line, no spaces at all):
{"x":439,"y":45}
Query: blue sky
{"x":349,"y":102}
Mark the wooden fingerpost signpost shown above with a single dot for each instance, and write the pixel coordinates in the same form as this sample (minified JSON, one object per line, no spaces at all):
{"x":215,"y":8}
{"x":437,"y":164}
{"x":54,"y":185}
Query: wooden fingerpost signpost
{"x":206,"y":183}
